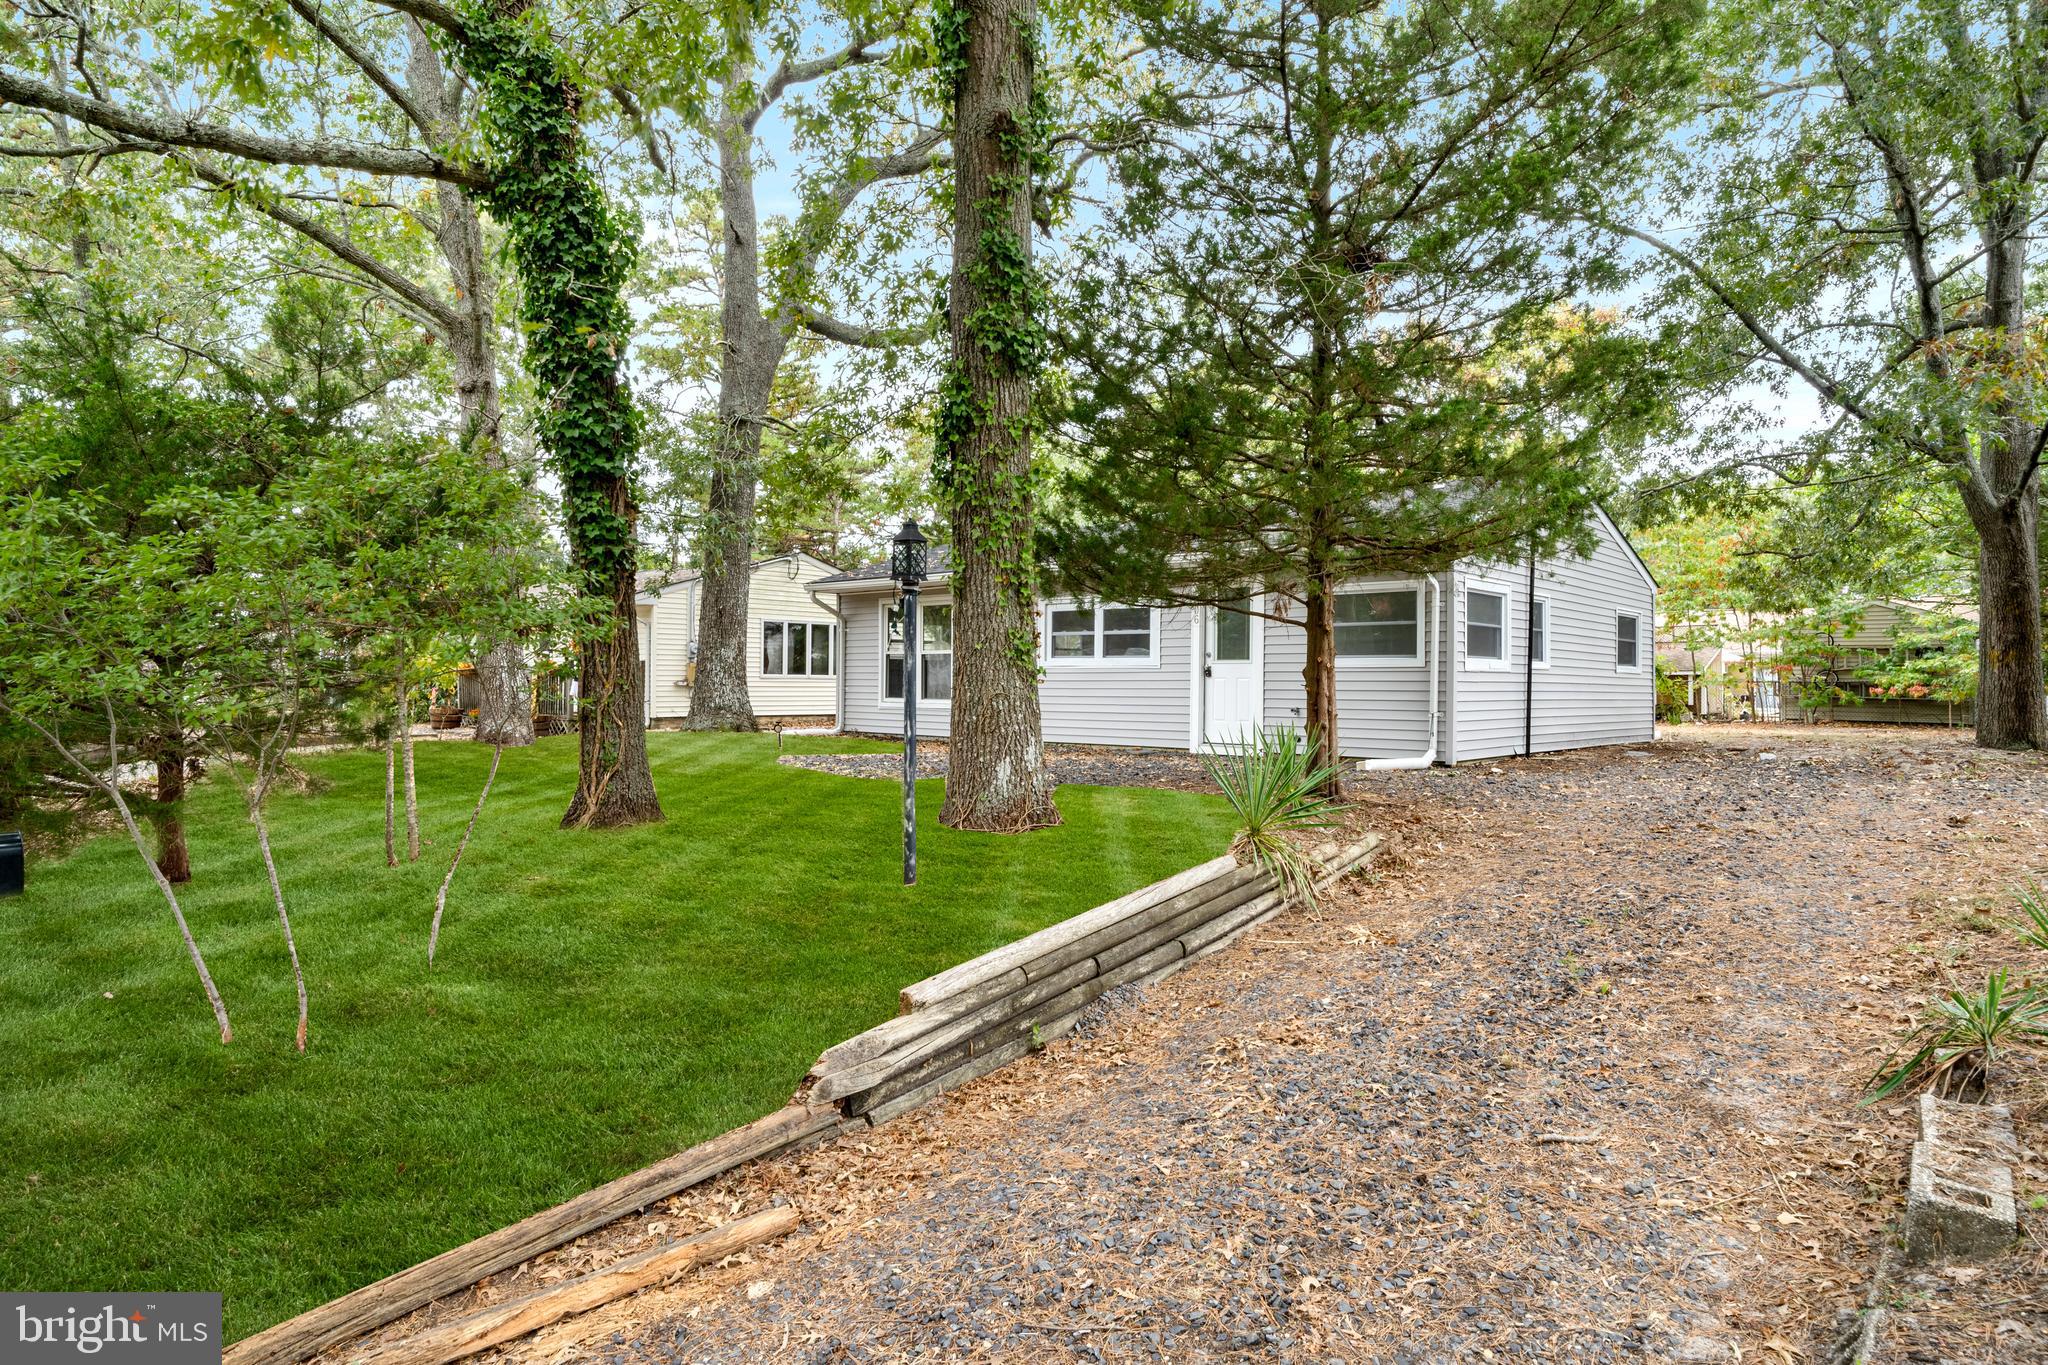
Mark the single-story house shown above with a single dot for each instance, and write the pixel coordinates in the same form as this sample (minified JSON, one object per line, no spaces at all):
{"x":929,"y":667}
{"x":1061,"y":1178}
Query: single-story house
{"x":793,"y":643}
{"x":1480,"y":661}
{"x":1874,"y":634}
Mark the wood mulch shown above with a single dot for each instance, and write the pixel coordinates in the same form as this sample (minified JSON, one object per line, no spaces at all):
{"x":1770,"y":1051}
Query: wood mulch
{"x":1072,"y":764}
{"x":1570,"y":1076}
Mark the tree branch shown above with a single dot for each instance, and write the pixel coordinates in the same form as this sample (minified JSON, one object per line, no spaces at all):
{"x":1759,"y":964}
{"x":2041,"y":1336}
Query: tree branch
{"x":179,"y":131}
{"x":430,"y":12}
{"x":1827,"y":387}
{"x":336,"y":245}
{"x":365,"y":63}
{"x":856,"y":53}
{"x":853,"y":334}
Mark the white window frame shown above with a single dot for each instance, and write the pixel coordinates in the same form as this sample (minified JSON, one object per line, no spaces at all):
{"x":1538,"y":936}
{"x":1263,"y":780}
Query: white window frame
{"x":1149,"y":660}
{"x":832,"y":650}
{"x":1541,"y":604}
{"x":1614,"y":641}
{"x":1363,"y":586}
{"x":1507,"y":626}
{"x":913,"y":676}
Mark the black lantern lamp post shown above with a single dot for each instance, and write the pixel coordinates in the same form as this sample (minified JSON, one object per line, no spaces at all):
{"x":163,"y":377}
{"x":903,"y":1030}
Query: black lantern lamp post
{"x":907,"y":566}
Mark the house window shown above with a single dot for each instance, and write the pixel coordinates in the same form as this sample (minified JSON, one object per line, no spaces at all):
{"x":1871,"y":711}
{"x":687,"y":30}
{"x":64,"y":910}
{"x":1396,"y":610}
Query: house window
{"x":1627,"y":641}
{"x":1539,"y":632}
{"x":1106,"y":634}
{"x":796,"y":648}
{"x":1380,"y":623}
{"x":1486,"y":628}
{"x":934,"y":653}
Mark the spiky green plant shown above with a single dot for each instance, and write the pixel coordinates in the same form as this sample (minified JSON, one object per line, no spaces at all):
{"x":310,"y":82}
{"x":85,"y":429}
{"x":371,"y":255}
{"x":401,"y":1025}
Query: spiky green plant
{"x":1275,"y":785}
{"x":2032,"y":925}
{"x":1961,"y":1036}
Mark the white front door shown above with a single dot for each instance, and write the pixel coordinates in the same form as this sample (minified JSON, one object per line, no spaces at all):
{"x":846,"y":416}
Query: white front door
{"x":1230,"y":683}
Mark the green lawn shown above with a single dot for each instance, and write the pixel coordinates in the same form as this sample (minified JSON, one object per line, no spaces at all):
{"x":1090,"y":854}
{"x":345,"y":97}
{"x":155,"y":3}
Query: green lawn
{"x":599,"y":1000}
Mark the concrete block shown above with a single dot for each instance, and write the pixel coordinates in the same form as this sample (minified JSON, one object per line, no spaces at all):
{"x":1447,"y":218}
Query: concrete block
{"x":1980,"y":1131}
{"x":1958,"y":1206}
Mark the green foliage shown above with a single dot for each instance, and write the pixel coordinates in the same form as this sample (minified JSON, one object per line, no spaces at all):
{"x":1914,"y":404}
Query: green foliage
{"x":1674,"y":703}
{"x":2032,"y":925}
{"x":1955,"y":1046}
{"x":1274,"y":784}
{"x":574,"y":252}
{"x":1283,"y":369}
{"x":1933,"y":658}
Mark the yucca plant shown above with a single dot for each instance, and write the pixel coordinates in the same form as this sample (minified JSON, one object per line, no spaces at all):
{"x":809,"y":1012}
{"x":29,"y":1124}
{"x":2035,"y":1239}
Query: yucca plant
{"x":2032,"y":925}
{"x":1273,"y":783}
{"x":1953,"y":1048}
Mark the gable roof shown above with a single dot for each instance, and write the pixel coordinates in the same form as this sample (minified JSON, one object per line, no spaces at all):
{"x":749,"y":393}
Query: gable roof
{"x":654,"y":580}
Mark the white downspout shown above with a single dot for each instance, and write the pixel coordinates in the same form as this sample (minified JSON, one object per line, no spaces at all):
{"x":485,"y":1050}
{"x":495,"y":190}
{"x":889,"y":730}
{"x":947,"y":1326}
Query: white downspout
{"x":1435,"y":646}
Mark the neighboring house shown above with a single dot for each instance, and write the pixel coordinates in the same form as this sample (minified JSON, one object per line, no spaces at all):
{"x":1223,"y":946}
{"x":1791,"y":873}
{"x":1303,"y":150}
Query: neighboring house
{"x":1574,"y":672}
{"x":1726,"y":673}
{"x":793,"y":641}
{"x":1853,"y":656}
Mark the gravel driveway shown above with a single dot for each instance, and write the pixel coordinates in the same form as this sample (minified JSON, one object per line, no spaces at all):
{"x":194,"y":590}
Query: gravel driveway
{"x":1569,"y":1077}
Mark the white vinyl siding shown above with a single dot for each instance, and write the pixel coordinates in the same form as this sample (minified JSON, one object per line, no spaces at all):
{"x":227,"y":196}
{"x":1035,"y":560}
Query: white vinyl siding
{"x":1139,"y":707}
{"x":777,"y":590}
{"x":1382,"y":712}
{"x":1579,"y":699}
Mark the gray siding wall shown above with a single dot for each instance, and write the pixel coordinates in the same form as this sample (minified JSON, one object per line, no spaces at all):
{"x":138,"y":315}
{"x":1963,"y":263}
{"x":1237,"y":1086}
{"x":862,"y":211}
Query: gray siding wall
{"x":1113,"y":704}
{"x":864,"y":708}
{"x":1580,"y":699}
{"x":1123,"y":704}
{"x":1382,"y":709}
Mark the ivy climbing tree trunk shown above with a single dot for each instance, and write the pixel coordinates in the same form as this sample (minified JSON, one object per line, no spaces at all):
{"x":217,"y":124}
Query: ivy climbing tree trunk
{"x":574,"y":252}
{"x":997,"y":776}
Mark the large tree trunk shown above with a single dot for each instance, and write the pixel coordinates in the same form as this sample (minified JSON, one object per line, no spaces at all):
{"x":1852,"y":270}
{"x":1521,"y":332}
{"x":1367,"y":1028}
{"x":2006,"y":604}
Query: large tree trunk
{"x":574,"y":253}
{"x":2010,"y":710}
{"x":750,"y":350}
{"x":997,"y":778}
{"x":173,"y":859}
{"x":614,"y":785}
{"x":504,"y":715}
{"x":1319,"y":679}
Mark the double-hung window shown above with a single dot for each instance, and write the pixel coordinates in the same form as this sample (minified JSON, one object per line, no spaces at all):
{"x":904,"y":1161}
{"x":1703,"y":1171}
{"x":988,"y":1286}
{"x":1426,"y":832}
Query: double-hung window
{"x":934,"y":653}
{"x":1382,"y":625}
{"x":1486,"y":628}
{"x":1539,"y":632}
{"x":796,"y":648}
{"x":1627,"y":643}
{"x":1099,"y":633}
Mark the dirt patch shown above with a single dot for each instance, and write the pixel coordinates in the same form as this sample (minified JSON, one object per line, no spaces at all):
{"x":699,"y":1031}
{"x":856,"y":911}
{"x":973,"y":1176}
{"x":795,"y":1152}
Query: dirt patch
{"x":1570,"y":1076}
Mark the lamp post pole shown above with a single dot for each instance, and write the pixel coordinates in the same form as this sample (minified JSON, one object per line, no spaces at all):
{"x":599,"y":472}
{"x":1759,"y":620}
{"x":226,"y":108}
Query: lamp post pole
{"x":907,"y":567}
{"x":910,"y":684}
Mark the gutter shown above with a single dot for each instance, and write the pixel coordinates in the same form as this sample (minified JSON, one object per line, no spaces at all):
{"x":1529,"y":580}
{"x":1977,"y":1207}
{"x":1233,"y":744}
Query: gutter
{"x":838,"y":661}
{"x":1529,"y":661}
{"x":1427,"y":758}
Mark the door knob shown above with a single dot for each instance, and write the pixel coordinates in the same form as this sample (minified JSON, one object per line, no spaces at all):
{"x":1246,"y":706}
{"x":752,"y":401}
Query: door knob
{"x":1208,"y":672}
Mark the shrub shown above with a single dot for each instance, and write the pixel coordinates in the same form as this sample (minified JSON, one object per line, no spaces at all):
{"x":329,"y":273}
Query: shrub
{"x":2032,"y":925}
{"x":1955,"y":1045}
{"x":1275,"y":785}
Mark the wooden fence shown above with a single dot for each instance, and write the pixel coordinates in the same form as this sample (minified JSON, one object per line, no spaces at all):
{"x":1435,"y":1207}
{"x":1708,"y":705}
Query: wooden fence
{"x":980,"y":1015}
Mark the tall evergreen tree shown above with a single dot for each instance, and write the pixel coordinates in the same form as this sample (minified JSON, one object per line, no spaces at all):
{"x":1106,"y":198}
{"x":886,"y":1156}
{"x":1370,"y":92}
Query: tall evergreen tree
{"x":1329,"y":332}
